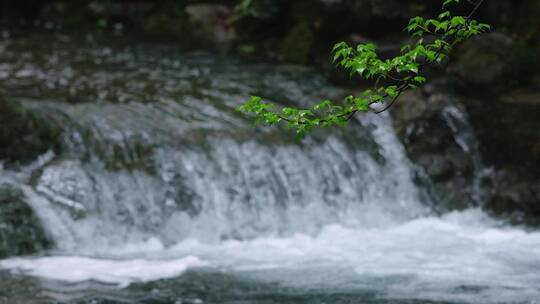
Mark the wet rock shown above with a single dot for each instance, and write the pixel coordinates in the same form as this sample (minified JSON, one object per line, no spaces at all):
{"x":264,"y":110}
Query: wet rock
{"x":508,"y":129}
{"x":67,"y":185}
{"x":20,"y":230}
{"x":522,"y":96}
{"x":21,"y":10}
{"x":23,"y":135}
{"x":453,"y":194}
{"x":418,"y":120}
{"x":376,"y":8}
{"x":168,"y":20}
{"x":483,"y":60}
{"x":297,"y":45}
{"x":393,"y":8}
{"x":211,"y":23}
{"x":431,"y":144}
{"x":516,"y":198}
{"x":438,"y":167}
{"x":461,"y":161}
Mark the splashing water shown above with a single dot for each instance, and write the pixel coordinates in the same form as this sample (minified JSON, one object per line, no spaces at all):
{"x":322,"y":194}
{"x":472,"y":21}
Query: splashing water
{"x":464,"y":136}
{"x":169,"y":190}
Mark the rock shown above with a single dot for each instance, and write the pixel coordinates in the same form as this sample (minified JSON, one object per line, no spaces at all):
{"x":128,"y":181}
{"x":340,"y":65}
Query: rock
{"x":484,"y":59}
{"x":168,"y":19}
{"x":393,"y":8}
{"x":509,"y":129}
{"x":453,"y":194}
{"x":516,"y":198}
{"x":211,"y":23}
{"x":23,"y":135}
{"x":431,"y":144}
{"x":67,"y":185}
{"x":297,"y":45}
{"x":387,"y":9}
{"x":522,"y":96}
{"x":460,"y":160}
{"x":419,"y":122}
{"x":21,"y":10}
{"x":20,"y":230}
{"x":260,"y":9}
{"x":437,"y":167}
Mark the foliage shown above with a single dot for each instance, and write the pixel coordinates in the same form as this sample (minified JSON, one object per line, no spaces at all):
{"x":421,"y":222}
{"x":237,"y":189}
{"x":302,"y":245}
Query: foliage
{"x":433,"y":39}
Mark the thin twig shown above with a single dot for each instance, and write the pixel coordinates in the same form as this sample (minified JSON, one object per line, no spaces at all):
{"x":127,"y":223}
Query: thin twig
{"x":404,"y":82}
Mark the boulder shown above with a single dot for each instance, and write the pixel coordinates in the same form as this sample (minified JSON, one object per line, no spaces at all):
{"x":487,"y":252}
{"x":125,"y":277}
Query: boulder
{"x":167,"y":19}
{"x":483,"y":60}
{"x":508,"y":128}
{"x":23,"y":135}
{"x":297,"y":45}
{"x":438,"y":167}
{"x":211,"y":23}
{"x":20,"y":230}
{"x":516,"y":198}
{"x":430,"y":143}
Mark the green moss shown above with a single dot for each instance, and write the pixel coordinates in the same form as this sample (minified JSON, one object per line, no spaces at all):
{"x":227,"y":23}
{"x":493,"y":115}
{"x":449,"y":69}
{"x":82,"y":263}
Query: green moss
{"x":20,"y":230}
{"x":168,"y":20}
{"x":297,"y":45}
{"x":24,"y":135}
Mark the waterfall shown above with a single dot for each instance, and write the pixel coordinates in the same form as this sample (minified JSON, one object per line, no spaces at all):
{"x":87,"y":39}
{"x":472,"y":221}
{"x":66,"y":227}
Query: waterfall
{"x":225,"y":189}
{"x":170,"y":159}
{"x":465,"y":137}
{"x":157,"y":184}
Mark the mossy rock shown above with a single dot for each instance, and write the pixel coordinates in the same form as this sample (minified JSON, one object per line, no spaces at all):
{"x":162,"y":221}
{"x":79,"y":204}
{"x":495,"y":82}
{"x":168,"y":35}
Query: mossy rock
{"x":297,"y":45}
{"x":484,"y":60}
{"x":164,"y":24}
{"x":167,"y":19}
{"x":24,"y":135}
{"x":20,"y":230}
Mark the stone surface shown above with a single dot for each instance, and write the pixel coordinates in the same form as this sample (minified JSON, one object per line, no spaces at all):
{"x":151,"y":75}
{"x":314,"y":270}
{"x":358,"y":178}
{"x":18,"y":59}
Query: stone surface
{"x":296,"y":47}
{"x":431,"y":144}
{"x":20,"y":230}
{"x":516,"y":198}
{"x":483,"y":60}
{"x":438,"y":167}
{"x":509,"y":129}
{"x":23,"y":136}
{"x":211,"y":23}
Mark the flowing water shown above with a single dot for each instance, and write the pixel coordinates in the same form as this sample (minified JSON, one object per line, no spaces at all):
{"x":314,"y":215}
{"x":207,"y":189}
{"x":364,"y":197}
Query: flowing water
{"x":159,"y":192}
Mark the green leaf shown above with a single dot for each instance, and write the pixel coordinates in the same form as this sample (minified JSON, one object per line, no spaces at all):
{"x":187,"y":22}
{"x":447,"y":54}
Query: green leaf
{"x":419,"y":79}
{"x":403,"y":70}
{"x":444,"y":15}
{"x":457,"y":21}
{"x":448,"y":2}
{"x":392,"y":91}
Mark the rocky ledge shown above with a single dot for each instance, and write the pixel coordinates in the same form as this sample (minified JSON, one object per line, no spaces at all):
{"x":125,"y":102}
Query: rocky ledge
{"x":20,"y":230}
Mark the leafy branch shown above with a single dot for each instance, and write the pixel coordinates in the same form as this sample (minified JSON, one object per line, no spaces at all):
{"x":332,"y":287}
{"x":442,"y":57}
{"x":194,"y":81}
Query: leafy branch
{"x":402,"y":73}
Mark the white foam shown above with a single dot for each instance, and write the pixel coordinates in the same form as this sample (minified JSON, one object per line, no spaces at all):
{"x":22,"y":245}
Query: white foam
{"x":427,"y":258}
{"x":80,"y":269}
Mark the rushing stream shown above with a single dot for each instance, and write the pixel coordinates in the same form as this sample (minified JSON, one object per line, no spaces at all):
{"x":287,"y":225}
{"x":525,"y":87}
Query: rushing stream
{"x":159,"y":192}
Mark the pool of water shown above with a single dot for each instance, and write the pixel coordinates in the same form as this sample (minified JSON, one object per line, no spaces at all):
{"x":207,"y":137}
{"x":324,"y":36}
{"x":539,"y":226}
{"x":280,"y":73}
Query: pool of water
{"x":461,"y":257}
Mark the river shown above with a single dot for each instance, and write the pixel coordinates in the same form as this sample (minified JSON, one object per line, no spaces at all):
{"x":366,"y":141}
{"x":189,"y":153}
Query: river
{"x":158,"y":191}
